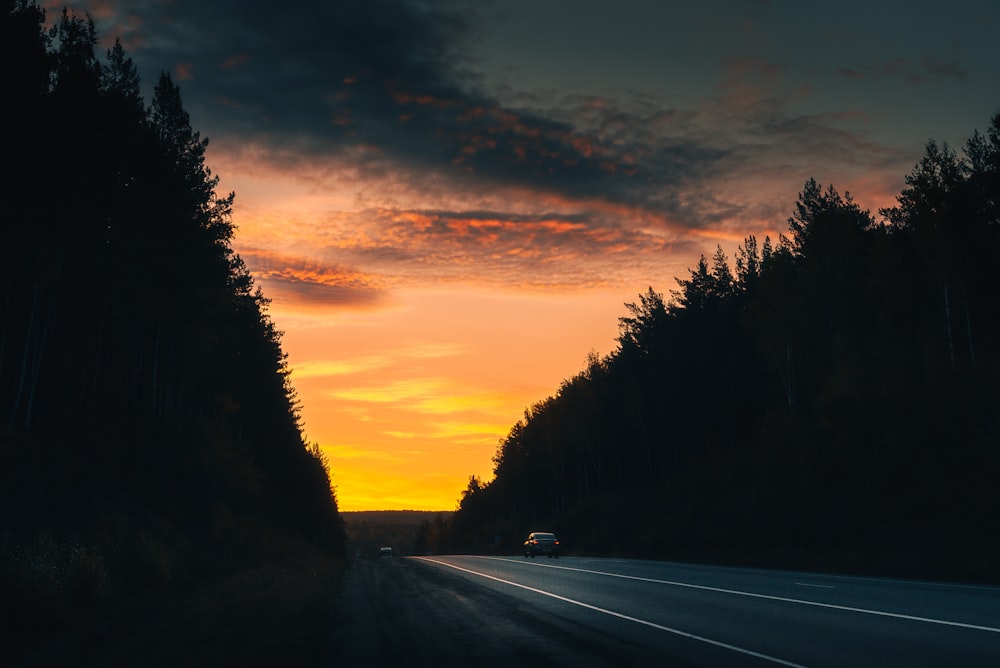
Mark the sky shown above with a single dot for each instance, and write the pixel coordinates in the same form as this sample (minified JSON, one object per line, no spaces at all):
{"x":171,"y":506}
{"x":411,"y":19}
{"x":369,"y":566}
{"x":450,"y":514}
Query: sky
{"x":450,"y":202}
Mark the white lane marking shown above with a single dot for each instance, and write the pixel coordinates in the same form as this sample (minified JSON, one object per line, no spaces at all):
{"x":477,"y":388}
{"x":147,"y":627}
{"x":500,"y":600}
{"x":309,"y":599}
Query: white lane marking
{"x":815,"y":586}
{"x":846,"y":608}
{"x":644,"y":622}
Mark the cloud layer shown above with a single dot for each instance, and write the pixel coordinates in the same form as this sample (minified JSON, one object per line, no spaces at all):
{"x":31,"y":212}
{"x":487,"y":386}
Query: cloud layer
{"x":383,"y":93}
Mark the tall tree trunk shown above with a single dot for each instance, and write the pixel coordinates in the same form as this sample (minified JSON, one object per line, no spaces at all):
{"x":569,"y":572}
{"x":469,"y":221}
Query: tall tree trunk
{"x":5,"y":319}
{"x":25,"y":357}
{"x":947,"y":321}
{"x":968,"y":327}
{"x":789,"y":379}
{"x":37,"y":364}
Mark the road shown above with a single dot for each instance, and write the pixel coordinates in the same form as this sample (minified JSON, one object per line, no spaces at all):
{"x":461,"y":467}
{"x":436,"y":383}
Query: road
{"x":575,"y":611}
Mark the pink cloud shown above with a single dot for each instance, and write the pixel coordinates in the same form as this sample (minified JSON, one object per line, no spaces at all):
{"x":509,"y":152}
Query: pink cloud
{"x":290,"y":276}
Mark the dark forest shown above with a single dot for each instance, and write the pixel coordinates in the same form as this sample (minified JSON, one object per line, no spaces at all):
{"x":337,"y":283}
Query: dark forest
{"x":149,"y":435}
{"x":827,"y":400}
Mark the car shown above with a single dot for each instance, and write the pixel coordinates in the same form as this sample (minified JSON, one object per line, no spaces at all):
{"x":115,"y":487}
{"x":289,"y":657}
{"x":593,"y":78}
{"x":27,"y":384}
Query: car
{"x":385,"y":552}
{"x":541,"y":542}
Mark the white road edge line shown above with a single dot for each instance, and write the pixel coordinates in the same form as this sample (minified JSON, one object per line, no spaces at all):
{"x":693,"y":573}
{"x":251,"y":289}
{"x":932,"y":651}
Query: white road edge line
{"x":644,"y":622}
{"x":880,"y":613}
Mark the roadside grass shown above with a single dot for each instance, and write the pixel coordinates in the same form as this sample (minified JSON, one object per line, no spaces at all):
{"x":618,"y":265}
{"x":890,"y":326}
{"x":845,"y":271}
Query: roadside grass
{"x":278,"y":614}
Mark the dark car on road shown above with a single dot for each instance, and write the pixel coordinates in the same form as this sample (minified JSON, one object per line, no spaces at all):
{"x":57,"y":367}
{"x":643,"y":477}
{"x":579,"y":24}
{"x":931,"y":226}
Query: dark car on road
{"x":540,"y":542}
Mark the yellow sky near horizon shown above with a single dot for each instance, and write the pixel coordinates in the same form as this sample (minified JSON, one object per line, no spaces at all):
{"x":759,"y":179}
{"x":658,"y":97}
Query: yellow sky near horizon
{"x":409,"y":401}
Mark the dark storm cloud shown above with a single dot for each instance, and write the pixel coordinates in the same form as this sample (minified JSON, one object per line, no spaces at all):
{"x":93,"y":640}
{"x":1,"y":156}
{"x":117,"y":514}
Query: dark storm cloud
{"x":382,"y":81}
{"x":383,"y":94}
{"x":312,"y":72}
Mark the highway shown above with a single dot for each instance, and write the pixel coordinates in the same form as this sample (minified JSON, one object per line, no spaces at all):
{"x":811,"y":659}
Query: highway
{"x":466,"y":610}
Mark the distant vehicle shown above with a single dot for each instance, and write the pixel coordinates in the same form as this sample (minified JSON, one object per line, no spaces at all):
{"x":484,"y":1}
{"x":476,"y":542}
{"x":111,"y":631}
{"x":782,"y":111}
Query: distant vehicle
{"x":540,"y":542}
{"x":385,"y":552}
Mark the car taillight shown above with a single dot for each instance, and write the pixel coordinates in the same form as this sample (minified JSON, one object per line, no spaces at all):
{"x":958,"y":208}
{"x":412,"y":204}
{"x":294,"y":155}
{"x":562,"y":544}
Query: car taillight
{"x":555,"y":542}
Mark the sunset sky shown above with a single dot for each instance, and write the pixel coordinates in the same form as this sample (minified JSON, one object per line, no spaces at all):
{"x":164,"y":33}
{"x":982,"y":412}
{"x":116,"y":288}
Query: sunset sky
{"x":449,"y":202}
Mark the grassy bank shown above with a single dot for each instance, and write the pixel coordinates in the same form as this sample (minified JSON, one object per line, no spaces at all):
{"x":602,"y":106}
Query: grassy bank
{"x":277,"y":614}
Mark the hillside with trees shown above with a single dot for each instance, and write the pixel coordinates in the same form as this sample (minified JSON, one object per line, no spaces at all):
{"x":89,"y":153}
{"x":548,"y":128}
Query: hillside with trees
{"x":407,"y":532}
{"x":824,"y":400}
{"x":149,"y":435}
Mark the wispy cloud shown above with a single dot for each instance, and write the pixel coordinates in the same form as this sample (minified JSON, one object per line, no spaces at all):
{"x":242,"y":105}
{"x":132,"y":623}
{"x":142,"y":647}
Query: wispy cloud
{"x":309,"y":281}
{"x":429,"y":396}
{"x":398,"y":356}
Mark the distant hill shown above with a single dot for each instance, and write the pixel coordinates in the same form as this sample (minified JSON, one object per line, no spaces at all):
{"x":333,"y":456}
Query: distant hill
{"x":405,"y":531}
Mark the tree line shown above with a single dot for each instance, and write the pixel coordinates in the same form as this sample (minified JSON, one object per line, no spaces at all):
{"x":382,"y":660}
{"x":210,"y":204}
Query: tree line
{"x":826,"y":399}
{"x":149,"y":434}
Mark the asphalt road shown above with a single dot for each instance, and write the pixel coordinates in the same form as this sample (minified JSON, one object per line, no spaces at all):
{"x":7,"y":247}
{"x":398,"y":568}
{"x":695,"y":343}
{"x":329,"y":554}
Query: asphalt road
{"x":492,"y":611}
